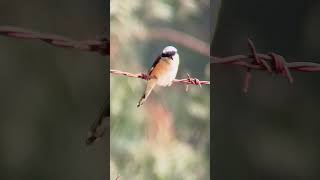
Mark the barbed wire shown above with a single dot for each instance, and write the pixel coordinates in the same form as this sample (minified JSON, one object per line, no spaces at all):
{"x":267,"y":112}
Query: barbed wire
{"x":98,"y":45}
{"x":270,"y":62}
{"x":189,"y":80}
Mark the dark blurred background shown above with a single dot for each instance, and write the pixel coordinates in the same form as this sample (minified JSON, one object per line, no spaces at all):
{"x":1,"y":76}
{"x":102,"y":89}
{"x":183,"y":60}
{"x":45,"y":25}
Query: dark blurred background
{"x":273,"y":131}
{"x":50,"y":96}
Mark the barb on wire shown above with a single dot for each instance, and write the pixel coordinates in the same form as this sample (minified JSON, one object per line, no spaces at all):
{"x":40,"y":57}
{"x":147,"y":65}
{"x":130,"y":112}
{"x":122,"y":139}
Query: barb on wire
{"x":188,"y":81}
{"x":271,"y":62}
{"x":98,"y":45}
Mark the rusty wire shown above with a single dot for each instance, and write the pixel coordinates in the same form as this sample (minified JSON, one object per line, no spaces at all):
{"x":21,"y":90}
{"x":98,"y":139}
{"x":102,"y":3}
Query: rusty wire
{"x":189,"y":80}
{"x":270,"y":62}
{"x":98,"y":45}
{"x":242,"y":60}
{"x":101,"y":46}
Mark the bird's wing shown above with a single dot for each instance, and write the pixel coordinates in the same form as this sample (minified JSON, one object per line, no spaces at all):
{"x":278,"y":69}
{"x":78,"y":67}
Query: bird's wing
{"x":154,"y":64}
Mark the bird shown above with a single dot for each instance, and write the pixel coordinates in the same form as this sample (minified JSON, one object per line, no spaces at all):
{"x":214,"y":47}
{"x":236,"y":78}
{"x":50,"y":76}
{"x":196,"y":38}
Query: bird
{"x":162,"y":72}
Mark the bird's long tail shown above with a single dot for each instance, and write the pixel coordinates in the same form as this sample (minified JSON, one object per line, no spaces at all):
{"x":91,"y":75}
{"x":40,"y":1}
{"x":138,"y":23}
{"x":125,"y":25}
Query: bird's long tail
{"x":100,"y":125}
{"x":150,"y":85}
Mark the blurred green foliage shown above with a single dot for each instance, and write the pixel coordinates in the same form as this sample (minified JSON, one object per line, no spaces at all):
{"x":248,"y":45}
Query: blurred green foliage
{"x":168,"y":137}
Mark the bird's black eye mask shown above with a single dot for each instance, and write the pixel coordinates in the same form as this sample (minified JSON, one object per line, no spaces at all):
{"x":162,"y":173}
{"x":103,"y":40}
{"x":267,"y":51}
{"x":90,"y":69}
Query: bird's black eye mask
{"x":168,"y":54}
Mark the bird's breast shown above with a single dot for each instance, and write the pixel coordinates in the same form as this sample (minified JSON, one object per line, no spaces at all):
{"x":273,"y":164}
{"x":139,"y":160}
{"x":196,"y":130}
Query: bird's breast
{"x":165,"y":71}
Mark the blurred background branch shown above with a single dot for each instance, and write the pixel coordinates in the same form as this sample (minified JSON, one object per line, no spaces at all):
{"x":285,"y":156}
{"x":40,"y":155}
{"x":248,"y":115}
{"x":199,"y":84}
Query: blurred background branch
{"x":174,"y":36}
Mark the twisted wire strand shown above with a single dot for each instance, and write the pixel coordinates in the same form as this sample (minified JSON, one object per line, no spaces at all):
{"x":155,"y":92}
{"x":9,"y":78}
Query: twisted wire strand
{"x":189,"y":80}
{"x":270,"y":62}
{"x":98,"y":45}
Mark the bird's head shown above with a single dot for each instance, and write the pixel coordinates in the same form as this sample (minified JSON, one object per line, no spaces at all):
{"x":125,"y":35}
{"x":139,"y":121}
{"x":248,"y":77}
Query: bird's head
{"x":169,"y":51}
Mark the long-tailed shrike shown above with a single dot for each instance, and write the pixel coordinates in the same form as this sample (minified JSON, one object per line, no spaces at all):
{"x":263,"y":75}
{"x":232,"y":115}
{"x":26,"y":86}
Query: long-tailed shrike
{"x":162,"y":72}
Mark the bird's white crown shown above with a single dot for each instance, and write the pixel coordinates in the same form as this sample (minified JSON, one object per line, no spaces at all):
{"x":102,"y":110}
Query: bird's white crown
{"x":169,"y":49}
